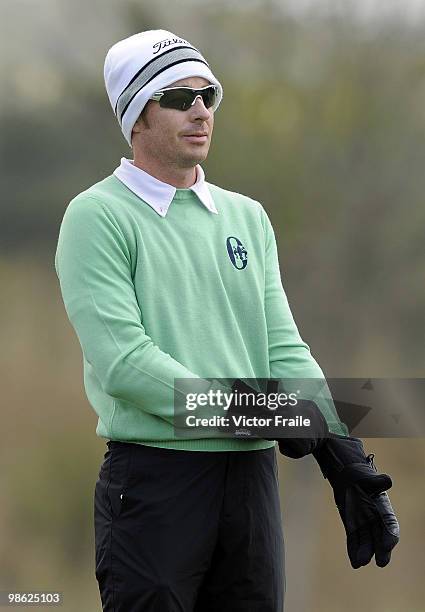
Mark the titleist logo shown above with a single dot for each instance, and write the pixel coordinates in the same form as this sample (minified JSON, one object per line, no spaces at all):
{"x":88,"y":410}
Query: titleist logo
{"x":161,"y":44}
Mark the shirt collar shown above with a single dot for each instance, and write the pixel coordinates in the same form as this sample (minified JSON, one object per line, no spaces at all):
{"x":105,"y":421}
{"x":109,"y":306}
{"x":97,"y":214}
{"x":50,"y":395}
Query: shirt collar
{"x":157,"y":194}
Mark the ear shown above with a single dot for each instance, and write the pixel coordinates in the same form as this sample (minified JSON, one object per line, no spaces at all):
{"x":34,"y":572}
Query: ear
{"x":137,"y":127}
{"x":142,"y":120}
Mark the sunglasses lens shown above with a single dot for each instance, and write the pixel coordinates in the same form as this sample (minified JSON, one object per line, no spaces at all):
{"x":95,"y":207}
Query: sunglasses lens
{"x":209,"y":96}
{"x":182,"y":99}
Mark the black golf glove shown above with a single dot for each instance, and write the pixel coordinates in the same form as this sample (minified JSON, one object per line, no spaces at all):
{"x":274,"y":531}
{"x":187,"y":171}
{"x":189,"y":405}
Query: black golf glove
{"x":294,"y":445}
{"x":360,"y":495}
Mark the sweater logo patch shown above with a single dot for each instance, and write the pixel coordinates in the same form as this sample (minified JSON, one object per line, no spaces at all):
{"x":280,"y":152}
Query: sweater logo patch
{"x":237,"y":252}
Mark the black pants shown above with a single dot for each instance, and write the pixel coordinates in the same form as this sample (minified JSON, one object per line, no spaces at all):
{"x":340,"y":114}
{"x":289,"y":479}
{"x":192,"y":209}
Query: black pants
{"x":188,"y":531}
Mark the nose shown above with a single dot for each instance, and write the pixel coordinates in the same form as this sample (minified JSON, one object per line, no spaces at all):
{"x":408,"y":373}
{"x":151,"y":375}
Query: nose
{"x":198,"y":109}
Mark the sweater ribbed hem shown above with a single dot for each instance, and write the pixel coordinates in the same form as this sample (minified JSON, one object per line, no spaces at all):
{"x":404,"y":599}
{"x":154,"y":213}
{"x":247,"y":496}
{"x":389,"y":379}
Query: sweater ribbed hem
{"x":211,"y":445}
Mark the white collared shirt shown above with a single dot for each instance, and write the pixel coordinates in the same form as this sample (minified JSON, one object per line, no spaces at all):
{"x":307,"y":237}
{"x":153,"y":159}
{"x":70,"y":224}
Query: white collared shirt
{"x":157,"y":194}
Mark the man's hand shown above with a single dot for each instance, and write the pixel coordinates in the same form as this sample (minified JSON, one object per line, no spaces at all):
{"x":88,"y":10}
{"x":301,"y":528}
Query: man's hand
{"x":297,"y":441}
{"x":294,"y":445}
{"x":303,"y":440}
{"x":360,"y":495}
{"x":359,"y":491}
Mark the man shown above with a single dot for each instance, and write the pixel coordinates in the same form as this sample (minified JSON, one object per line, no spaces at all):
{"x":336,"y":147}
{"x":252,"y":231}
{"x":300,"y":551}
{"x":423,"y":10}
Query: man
{"x":167,"y":277}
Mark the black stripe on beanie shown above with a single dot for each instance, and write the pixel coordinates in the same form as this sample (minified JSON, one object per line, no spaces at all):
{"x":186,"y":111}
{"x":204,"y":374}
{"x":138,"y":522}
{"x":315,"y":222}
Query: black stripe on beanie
{"x":152,"y":69}
{"x":149,"y":63}
{"x":190,"y":59}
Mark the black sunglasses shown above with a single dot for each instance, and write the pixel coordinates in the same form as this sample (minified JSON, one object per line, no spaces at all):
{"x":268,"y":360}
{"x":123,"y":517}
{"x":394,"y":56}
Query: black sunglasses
{"x":182,"y":98}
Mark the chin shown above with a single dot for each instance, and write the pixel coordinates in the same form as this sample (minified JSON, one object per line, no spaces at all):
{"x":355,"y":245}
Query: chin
{"x":196,"y":152}
{"x":189,"y":161}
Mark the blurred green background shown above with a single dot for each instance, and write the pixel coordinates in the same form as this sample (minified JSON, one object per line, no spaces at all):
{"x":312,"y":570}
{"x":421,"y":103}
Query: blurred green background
{"x":323,"y":121}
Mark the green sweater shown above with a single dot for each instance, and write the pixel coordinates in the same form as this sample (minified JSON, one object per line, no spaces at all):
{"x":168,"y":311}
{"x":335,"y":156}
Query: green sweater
{"x":190,"y":295}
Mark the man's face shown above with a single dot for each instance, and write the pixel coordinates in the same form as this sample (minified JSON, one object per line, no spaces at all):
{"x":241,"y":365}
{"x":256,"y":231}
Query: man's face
{"x":173,"y":137}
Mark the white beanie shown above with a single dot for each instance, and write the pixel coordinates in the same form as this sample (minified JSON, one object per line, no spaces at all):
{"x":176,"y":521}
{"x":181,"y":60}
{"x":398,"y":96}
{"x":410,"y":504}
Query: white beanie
{"x":138,"y":66}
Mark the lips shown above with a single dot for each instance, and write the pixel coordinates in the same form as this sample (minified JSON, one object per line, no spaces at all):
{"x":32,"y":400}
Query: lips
{"x":197,"y":138}
{"x":197,"y":134}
